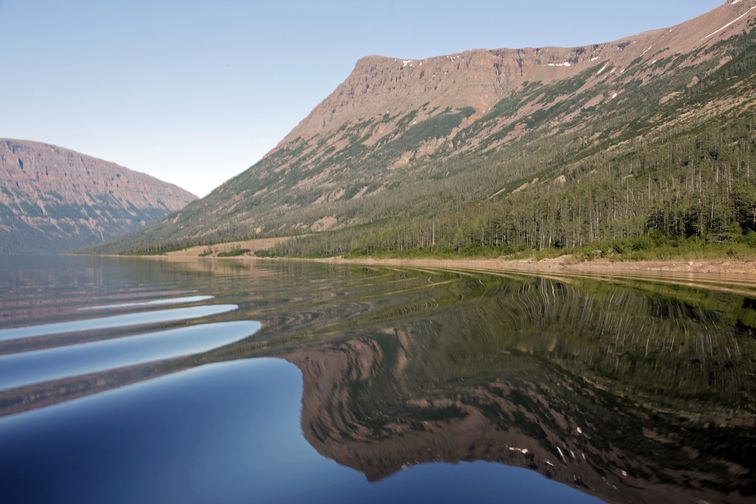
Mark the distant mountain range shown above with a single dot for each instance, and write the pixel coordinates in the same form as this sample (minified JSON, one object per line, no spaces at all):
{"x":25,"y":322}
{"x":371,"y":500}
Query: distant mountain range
{"x":536,"y":147}
{"x":54,"y":200}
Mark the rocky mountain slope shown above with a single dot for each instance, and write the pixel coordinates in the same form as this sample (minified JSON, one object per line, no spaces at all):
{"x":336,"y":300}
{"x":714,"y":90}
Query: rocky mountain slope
{"x":53,"y":199}
{"x":421,"y":139}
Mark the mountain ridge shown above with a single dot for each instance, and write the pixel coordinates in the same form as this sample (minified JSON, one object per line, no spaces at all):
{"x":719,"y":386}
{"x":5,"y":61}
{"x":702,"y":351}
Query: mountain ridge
{"x":53,"y":199}
{"x":398,"y":133}
{"x":555,"y":63}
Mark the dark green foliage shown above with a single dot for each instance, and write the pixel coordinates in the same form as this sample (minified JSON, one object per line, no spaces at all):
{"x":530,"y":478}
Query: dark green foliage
{"x":689,"y":188}
{"x":438,"y":126}
{"x":565,"y":87}
{"x":234,"y":252}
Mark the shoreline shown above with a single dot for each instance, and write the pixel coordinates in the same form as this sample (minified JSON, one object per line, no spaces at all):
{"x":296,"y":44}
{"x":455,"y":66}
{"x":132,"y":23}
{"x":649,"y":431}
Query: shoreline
{"x":732,"y":277}
{"x":727,"y":275}
{"x":568,"y":264}
{"x":721,"y":268}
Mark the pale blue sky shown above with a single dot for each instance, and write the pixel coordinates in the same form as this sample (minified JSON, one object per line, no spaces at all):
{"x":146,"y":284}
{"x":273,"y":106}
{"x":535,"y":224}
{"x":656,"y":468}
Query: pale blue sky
{"x":195,"y":92}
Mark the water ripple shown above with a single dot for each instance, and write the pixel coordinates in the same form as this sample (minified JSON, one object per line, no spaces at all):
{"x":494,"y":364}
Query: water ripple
{"x":131,"y":319}
{"x":55,"y":363}
{"x":155,"y":302}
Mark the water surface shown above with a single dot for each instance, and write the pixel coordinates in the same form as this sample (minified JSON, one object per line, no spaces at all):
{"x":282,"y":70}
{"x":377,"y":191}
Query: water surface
{"x":54,"y":363}
{"x":369,"y":385}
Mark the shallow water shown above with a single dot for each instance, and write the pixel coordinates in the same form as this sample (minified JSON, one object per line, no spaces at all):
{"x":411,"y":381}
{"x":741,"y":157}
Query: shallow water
{"x":127,"y":380}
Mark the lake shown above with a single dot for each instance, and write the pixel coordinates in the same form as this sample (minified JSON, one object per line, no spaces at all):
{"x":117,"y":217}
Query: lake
{"x":148,"y":380}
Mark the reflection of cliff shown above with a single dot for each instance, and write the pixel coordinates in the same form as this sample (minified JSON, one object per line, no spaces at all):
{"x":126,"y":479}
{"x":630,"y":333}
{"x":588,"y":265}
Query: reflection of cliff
{"x":573,"y":384}
{"x":406,"y":366}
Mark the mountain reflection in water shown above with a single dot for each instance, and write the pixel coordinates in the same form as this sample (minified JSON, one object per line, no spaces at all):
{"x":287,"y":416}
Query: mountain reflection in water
{"x":631,"y":391}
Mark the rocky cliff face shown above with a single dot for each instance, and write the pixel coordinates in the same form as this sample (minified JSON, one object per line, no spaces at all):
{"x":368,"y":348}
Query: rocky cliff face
{"x":53,"y":199}
{"x":481,"y":78}
{"x":396,"y":131}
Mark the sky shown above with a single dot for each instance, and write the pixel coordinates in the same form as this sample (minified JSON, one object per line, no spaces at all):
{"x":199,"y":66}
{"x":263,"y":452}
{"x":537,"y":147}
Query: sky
{"x":194,"y":92}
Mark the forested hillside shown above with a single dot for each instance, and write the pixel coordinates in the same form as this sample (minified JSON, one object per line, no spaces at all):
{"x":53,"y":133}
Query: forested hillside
{"x":696,"y":184}
{"x":645,"y":140}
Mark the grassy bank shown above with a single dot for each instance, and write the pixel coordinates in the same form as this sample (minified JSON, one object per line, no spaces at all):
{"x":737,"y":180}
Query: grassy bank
{"x":632,"y":250}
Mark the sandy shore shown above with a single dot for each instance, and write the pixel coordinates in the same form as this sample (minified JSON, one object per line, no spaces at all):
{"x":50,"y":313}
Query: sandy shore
{"x":739,"y":273}
{"x":570,"y":264}
{"x":728,"y":274}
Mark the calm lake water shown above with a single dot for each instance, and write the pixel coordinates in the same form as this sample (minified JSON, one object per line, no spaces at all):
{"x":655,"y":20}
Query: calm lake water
{"x":236,"y":381}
